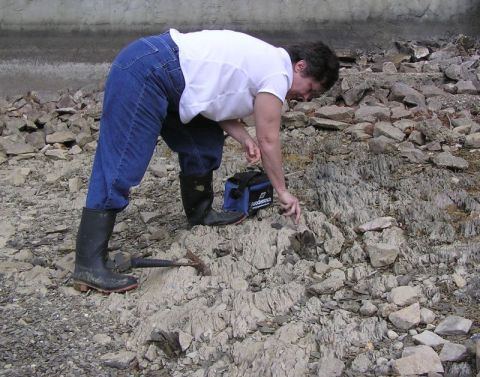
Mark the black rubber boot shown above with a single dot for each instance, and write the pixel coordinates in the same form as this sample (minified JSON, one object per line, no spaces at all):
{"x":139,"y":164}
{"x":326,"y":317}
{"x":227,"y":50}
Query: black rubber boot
{"x":95,"y":229}
{"x":197,"y":198}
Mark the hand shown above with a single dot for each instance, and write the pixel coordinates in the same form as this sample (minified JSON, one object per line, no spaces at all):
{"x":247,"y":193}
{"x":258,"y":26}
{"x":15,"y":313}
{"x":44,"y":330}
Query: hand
{"x":290,"y":205}
{"x":252,"y":151}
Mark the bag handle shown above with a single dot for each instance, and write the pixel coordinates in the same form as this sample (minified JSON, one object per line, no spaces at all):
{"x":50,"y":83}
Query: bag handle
{"x":243,"y":179}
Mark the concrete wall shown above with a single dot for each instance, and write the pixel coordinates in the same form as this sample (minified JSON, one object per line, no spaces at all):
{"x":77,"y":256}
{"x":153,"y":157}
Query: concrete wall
{"x":252,"y":15}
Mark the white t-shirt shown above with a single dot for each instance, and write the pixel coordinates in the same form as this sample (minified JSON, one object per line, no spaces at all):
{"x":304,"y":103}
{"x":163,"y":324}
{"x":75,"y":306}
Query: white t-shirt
{"x":224,"y":71}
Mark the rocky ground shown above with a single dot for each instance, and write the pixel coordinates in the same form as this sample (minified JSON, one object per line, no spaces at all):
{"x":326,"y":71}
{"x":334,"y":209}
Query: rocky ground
{"x":380,"y":278}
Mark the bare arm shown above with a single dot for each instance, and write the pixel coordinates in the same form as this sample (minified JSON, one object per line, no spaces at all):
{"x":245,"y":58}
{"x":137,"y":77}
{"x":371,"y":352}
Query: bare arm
{"x":267,"y":110}
{"x":237,"y":130}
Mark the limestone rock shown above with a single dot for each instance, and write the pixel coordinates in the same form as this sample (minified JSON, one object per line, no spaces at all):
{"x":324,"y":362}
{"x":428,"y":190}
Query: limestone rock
{"x":404,"y":295}
{"x":339,"y":113}
{"x":377,"y":224}
{"x":418,"y":360}
{"x":473,"y":140}
{"x":327,"y":124}
{"x":294,"y":119}
{"x":372,"y":113}
{"x":406,"y":317}
{"x":429,"y":338}
{"x":118,"y":360}
{"x":330,"y":367}
{"x":466,"y":87}
{"x":454,"y":325}
{"x":453,"y":352}
{"x":382,"y":254}
{"x":331,"y":284}
{"x":388,"y":130}
{"x":447,"y":160}
{"x":60,"y":137}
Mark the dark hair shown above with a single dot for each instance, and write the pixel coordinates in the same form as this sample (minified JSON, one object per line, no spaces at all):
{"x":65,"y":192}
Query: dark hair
{"x":322,"y":63}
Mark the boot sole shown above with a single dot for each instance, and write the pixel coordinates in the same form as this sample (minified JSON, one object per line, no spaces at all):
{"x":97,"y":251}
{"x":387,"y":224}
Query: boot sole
{"x":85,"y":287}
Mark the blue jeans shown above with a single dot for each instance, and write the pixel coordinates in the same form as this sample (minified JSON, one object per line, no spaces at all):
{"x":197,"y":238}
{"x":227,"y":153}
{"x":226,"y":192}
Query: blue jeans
{"x":141,"y":100}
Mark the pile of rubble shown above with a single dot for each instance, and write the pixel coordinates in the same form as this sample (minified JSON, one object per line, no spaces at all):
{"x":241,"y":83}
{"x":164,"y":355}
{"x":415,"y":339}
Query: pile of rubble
{"x":381,"y":276}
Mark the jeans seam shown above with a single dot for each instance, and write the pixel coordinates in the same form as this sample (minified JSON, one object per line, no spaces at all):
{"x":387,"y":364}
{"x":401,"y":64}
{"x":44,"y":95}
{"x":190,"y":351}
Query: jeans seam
{"x":122,"y":158}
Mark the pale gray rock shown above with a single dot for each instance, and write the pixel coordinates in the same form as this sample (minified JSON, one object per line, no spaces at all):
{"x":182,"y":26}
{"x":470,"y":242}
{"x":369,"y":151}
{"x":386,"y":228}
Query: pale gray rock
{"x":361,"y":363}
{"x":428,"y":338}
{"x":16,"y":148}
{"x":427,"y":316}
{"x":60,"y":137}
{"x":434,"y":130}
{"x":330,"y":367}
{"x":334,"y":281}
{"x":339,"y":113}
{"x":368,"y":309}
{"x":381,"y":144}
{"x":453,"y":325}
{"x":388,"y":130}
{"x":418,"y":360}
{"x":466,"y":87}
{"x":406,"y":318}
{"x":354,"y":95}
{"x":377,"y":224}
{"x":102,"y":339}
{"x":453,"y":352}
{"x":416,"y":67}
{"x":74,"y":184}
{"x":118,"y":360}
{"x":327,"y":124}
{"x":56,"y":154}
{"x":405,"y":125}
{"x":294,"y":119}
{"x":454,"y":72}
{"x":447,"y":160}
{"x":372,"y":113}
{"x":306,"y":107}
{"x":431,"y":67}
{"x":431,"y":91}
{"x":382,"y":254}
{"x":334,"y":239}
{"x":404,"y":295}
{"x":416,"y":137}
{"x":389,"y":67}
{"x":405,"y":93}
{"x":83,"y":138}
{"x":36,"y":139}
{"x":473,"y":140}
{"x":400,"y":112}
{"x":392,"y":335}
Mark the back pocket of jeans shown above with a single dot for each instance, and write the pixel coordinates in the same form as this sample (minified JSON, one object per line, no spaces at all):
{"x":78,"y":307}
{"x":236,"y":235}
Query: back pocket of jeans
{"x":134,"y":52}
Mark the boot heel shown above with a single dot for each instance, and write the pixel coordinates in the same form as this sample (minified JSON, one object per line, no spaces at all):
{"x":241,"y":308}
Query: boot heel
{"x":82,"y":287}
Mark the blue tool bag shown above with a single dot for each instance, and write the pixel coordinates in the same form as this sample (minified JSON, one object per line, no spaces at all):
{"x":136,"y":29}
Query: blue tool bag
{"x":248,"y":192}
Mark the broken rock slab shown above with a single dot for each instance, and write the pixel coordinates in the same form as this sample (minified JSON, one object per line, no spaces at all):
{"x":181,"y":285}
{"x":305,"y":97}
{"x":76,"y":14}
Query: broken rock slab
{"x":447,"y":160}
{"x":418,"y":360}
{"x":372,"y":113}
{"x":453,"y":352}
{"x":473,"y":140}
{"x":428,"y":338}
{"x":119,"y":360}
{"x":406,"y":318}
{"x":377,"y":224}
{"x":328,"y":124}
{"x":330,"y":367}
{"x":382,"y":254}
{"x":331,"y":284}
{"x":388,"y":130}
{"x":453,"y":325}
{"x":339,"y":113}
{"x":404,"y":295}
